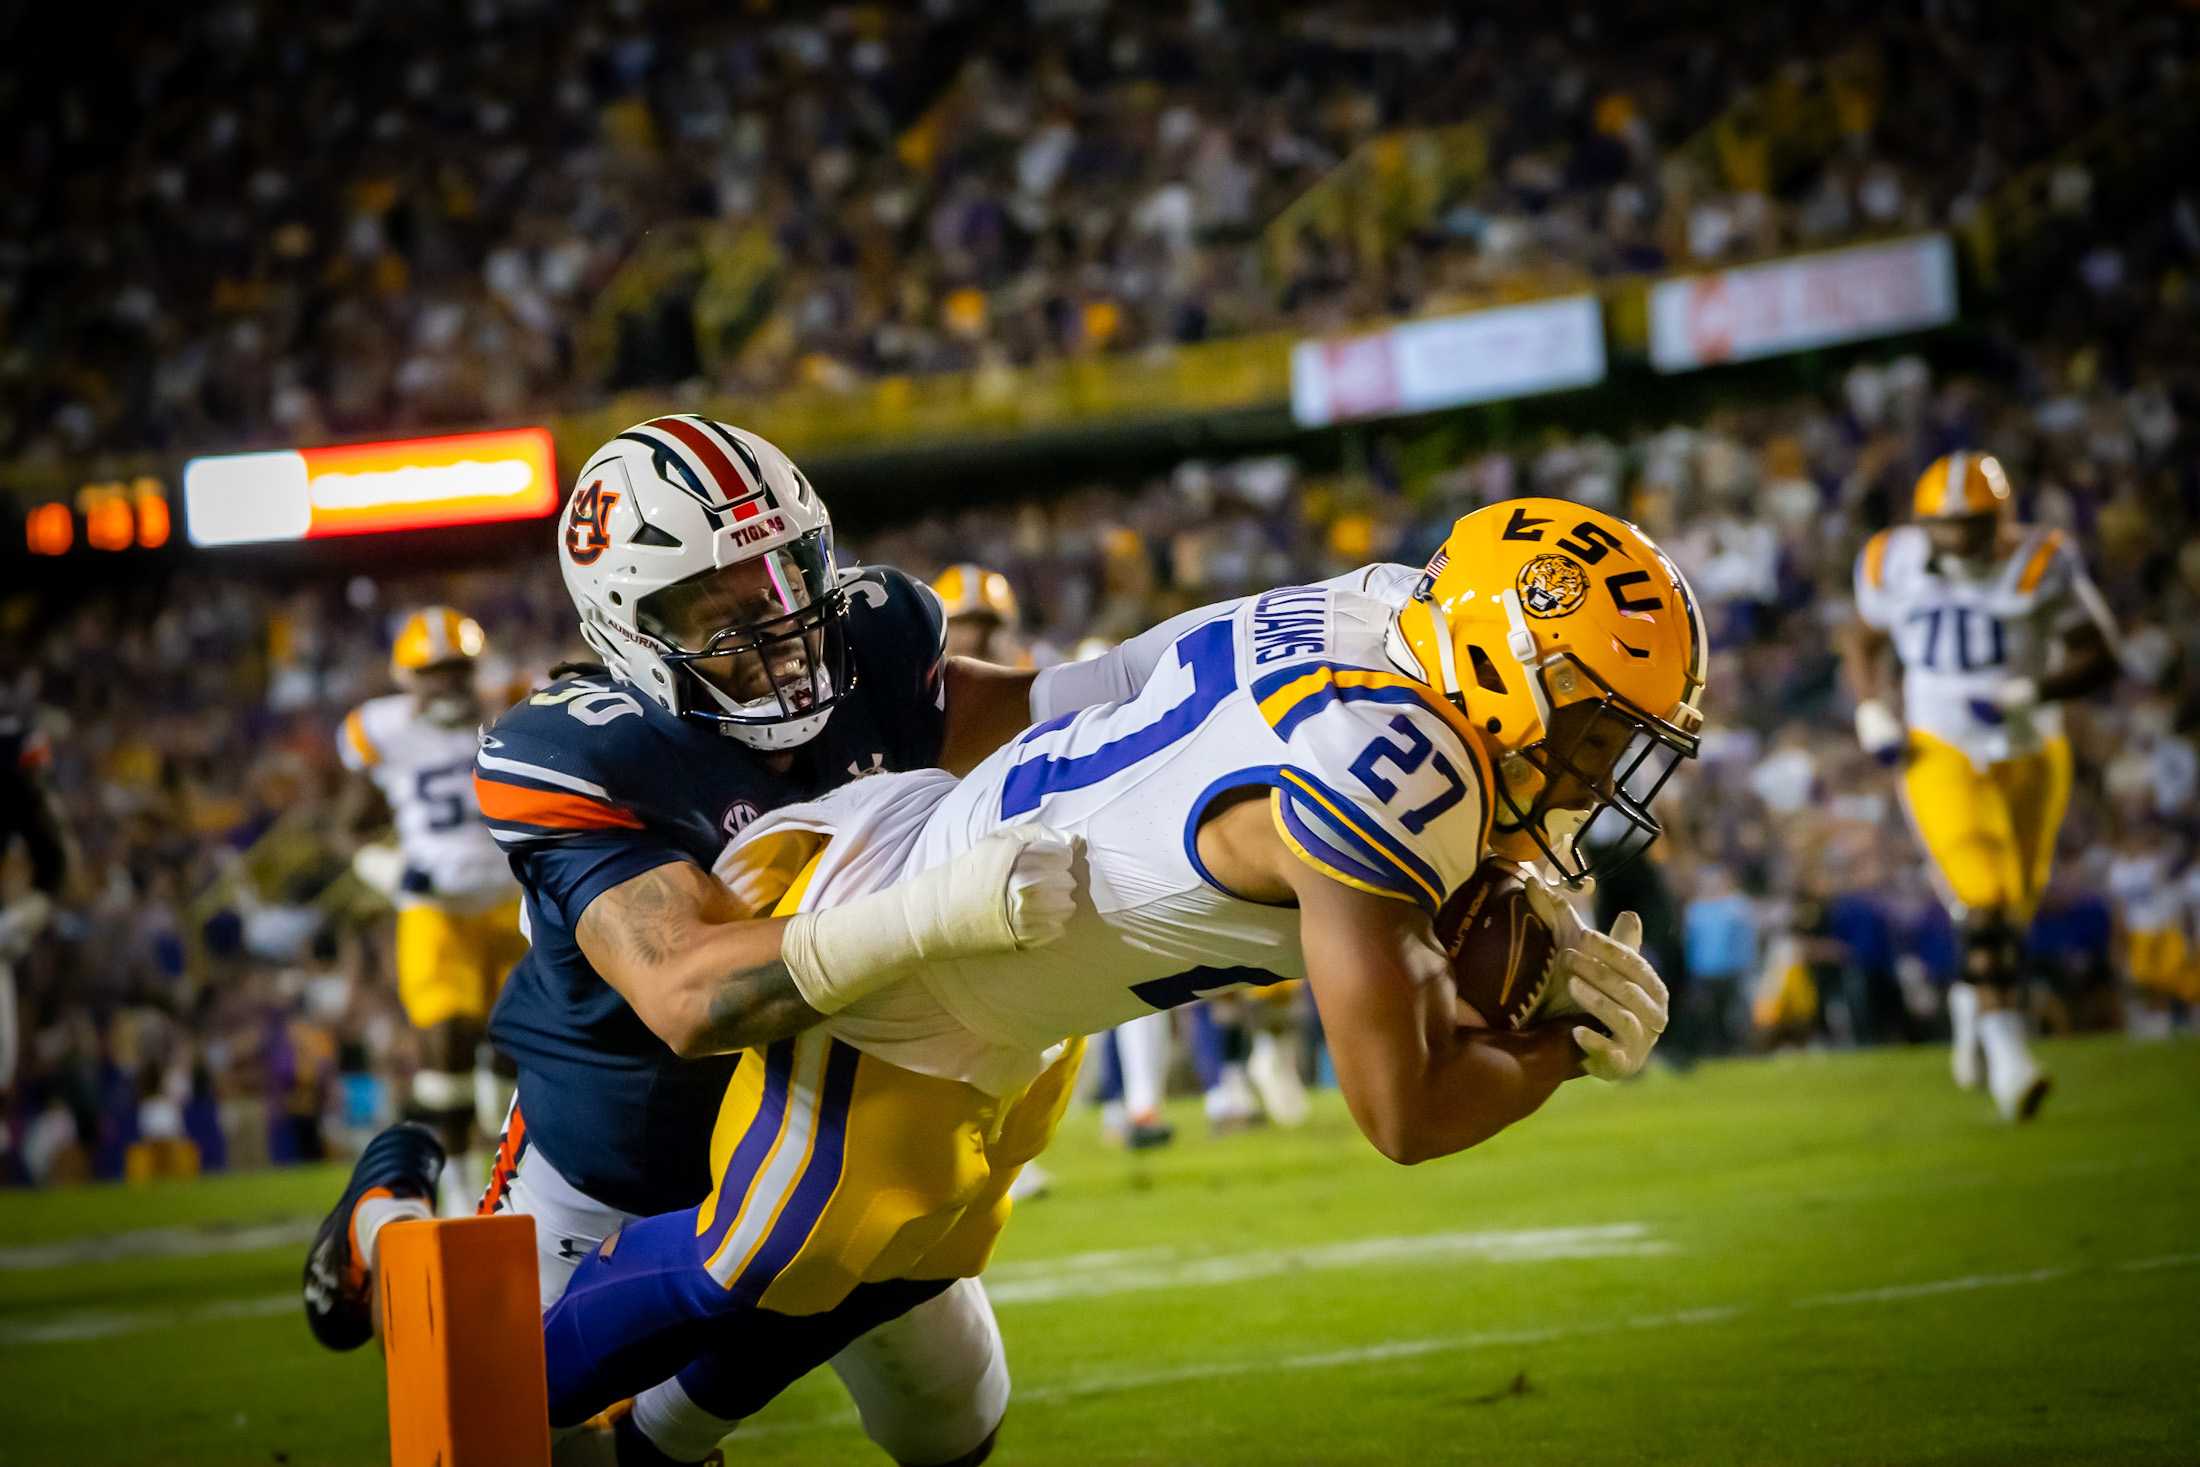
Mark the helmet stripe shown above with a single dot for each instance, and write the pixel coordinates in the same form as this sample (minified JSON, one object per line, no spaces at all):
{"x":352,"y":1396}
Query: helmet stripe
{"x":1952,"y":498}
{"x":728,"y":479}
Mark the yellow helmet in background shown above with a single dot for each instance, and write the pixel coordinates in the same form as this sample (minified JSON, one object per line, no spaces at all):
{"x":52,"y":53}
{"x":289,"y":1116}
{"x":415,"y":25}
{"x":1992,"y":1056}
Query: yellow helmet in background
{"x":1958,"y":485}
{"x":433,"y":636}
{"x":1575,"y":649}
{"x":972,"y":590}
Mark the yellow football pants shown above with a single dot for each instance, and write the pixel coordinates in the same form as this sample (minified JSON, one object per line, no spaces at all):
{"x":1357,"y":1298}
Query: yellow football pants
{"x":1989,"y":831}
{"x":451,"y":966}
{"x":834,"y":1168}
{"x":2161,"y":963}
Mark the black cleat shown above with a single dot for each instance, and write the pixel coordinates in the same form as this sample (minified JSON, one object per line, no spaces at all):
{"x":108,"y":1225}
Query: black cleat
{"x":403,"y":1161}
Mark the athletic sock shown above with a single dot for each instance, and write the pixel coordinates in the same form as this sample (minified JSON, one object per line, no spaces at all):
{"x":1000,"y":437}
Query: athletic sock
{"x":375,"y":1210}
{"x":672,"y":1426}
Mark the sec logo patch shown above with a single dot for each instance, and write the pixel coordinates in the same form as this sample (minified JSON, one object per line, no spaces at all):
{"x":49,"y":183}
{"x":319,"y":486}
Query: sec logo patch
{"x":1552,"y":585}
{"x":737,"y":817}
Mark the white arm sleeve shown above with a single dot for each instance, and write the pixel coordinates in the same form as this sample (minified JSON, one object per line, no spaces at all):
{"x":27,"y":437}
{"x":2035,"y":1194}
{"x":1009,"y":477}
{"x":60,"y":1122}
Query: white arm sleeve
{"x":1119,"y":674}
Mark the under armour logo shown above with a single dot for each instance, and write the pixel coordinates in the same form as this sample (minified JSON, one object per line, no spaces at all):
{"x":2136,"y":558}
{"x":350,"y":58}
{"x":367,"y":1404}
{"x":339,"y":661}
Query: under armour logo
{"x":876,"y":766}
{"x":573,"y":1250}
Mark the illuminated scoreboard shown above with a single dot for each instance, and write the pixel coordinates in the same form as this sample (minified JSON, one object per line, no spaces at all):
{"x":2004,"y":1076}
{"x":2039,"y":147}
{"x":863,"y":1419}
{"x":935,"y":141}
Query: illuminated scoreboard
{"x":369,"y":488}
{"x":120,"y":514}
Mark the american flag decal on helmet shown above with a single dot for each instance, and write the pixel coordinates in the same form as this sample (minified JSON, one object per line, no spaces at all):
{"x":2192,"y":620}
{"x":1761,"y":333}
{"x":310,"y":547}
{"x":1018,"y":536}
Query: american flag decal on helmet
{"x":701,"y":458}
{"x":1426,"y":586}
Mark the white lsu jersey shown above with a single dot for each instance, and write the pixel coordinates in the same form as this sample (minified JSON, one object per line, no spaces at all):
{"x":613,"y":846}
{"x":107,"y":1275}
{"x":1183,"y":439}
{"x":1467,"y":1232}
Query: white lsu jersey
{"x":425,"y":771}
{"x":1961,"y":637}
{"x":1371,"y":777}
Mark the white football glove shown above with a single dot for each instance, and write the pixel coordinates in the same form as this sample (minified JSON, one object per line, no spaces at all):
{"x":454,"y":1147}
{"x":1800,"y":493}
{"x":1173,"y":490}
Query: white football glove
{"x":1616,"y":985}
{"x":1879,"y":731}
{"x":1549,"y":901}
{"x":1011,"y":891}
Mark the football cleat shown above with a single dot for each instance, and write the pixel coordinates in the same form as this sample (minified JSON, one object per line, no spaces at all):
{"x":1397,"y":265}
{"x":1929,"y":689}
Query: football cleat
{"x":403,"y":1161}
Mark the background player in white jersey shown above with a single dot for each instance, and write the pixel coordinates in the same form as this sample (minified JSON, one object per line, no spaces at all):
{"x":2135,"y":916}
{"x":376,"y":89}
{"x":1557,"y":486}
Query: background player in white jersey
{"x":1300,"y":786}
{"x":458,"y":931}
{"x":1994,"y":624}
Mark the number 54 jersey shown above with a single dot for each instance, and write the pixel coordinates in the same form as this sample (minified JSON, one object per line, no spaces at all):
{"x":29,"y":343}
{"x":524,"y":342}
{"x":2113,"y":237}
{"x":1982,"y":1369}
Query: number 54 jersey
{"x":1961,"y":637}
{"x":1370,"y":775}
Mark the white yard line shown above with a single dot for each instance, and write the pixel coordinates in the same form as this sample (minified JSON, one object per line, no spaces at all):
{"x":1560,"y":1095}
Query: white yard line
{"x":1091,"y":1275}
{"x":158,"y":1243}
{"x":1077,"y":1276}
{"x":1107,"y":1384}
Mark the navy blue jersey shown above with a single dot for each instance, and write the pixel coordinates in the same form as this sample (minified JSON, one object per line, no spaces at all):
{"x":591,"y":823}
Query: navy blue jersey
{"x":589,"y":783}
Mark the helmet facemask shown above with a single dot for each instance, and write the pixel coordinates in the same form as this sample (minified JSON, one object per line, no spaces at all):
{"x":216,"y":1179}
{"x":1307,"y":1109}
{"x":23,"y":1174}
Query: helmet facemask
{"x":1582,"y":793}
{"x":762,"y":640}
{"x":445,"y":693}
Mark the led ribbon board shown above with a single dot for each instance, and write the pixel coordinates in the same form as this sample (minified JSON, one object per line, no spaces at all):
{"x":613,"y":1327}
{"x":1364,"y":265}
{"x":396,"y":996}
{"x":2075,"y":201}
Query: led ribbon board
{"x":369,"y":488}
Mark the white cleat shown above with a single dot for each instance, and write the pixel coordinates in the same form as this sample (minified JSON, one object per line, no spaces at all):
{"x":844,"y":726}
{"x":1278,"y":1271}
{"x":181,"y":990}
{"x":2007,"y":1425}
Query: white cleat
{"x":2013,"y":1077}
{"x":1033,"y":1182}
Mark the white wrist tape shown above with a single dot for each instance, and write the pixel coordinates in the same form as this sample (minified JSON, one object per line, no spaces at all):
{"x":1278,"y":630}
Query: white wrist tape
{"x":957,"y":910}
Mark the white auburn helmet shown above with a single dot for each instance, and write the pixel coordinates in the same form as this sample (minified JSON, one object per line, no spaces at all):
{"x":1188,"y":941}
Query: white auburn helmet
{"x":654,"y":515}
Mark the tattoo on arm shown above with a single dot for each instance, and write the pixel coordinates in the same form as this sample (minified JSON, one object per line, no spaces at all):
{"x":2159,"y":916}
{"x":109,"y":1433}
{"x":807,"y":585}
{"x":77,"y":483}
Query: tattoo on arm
{"x":756,"y":1006}
{"x":637,"y":924}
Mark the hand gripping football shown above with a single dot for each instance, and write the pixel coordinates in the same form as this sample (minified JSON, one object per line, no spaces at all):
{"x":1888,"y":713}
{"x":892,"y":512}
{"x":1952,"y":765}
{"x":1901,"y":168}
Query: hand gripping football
{"x":1500,"y":950}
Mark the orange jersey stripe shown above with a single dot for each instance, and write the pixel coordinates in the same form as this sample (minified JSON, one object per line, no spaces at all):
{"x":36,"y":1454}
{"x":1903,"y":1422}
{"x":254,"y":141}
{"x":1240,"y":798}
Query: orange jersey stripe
{"x":355,"y":733}
{"x":1875,"y":561}
{"x":2036,"y":568}
{"x":552,"y":808}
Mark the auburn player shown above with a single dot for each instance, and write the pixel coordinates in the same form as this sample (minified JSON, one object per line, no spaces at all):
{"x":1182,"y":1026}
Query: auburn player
{"x":741,"y":670}
{"x":1305,"y":778}
{"x":1995,"y":625}
{"x":458,"y":930}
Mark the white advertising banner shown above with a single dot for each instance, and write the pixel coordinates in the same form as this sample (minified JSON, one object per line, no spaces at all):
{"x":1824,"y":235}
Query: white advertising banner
{"x":1796,"y":304}
{"x":1484,"y":356}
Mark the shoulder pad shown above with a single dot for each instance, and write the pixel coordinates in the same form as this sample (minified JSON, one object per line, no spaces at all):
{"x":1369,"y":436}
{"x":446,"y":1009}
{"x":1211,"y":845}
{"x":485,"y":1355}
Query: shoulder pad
{"x":1386,"y":787}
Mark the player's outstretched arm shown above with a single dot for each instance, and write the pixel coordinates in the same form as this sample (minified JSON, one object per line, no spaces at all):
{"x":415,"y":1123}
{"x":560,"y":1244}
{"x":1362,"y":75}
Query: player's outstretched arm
{"x":705,"y":979}
{"x":708,"y":979}
{"x":1418,"y":1083}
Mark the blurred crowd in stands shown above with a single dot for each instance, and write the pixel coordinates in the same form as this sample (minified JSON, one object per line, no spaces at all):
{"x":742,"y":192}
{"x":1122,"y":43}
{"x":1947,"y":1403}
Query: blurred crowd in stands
{"x":243,"y":1000}
{"x":265,"y":228}
{"x":248,"y":226}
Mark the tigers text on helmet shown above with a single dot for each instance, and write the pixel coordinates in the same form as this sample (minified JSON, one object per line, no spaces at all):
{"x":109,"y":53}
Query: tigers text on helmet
{"x":701,"y":563}
{"x":1574,"y":647}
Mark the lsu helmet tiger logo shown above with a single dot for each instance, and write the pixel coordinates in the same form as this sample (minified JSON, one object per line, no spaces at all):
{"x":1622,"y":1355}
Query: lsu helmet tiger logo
{"x":1552,"y":585}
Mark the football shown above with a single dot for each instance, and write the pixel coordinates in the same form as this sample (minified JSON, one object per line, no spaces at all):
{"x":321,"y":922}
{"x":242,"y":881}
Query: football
{"x":1500,"y":949}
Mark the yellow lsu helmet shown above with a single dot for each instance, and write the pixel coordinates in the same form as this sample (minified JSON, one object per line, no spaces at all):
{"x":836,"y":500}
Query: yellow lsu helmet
{"x":1958,"y":485}
{"x":432,"y":636}
{"x":972,"y":590}
{"x":1575,"y":649}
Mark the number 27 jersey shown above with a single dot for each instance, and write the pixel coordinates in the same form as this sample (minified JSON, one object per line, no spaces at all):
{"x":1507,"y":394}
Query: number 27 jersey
{"x":1371,"y":777}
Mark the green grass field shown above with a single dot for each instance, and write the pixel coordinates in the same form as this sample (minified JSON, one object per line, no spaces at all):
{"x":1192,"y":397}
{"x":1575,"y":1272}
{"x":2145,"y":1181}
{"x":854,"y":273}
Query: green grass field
{"x":1806,"y":1260}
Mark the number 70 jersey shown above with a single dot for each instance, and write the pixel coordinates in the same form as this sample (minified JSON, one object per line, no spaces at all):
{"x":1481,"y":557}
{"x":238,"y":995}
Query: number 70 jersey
{"x":1961,"y":637}
{"x":1370,"y":776}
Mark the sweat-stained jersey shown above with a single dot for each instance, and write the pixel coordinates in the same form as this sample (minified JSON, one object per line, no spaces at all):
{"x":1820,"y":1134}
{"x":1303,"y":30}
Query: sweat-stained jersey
{"x":1370,"y":775}
{"x":590,"y":783}
{"x":1961,"y":636}
{"x":425,"y":771}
